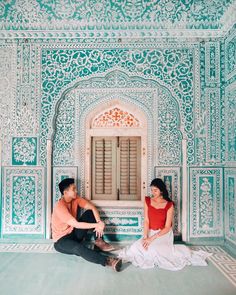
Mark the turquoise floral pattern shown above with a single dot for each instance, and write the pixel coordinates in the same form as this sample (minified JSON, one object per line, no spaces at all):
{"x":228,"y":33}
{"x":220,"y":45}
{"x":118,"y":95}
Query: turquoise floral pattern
{"x":43,"y":14}
{"x":63,"y":67}
{"x":206,"y":202}
{"x":24,"y":151}
{"x":23,"y":211}
{"x":23,"y":201}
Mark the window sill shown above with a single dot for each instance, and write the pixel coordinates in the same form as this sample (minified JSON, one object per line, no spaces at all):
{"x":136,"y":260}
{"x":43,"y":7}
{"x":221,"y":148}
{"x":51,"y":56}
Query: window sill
{"x":111,"y":203}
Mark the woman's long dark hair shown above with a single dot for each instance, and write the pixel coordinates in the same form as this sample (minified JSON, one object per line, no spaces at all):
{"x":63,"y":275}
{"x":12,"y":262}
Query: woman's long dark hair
{"x":157,"y":182}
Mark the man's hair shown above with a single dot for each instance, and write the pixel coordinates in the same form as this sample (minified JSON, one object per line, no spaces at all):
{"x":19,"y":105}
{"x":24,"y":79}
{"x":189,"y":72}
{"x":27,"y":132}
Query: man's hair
{"x":65,"y":183}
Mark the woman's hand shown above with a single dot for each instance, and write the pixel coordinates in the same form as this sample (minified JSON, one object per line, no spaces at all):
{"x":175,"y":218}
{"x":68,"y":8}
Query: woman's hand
{"x":146,"y":242}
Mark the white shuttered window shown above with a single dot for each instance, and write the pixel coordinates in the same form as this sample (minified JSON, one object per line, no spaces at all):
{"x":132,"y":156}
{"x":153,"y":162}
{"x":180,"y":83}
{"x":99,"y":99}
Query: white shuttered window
{"x":116,"y":168}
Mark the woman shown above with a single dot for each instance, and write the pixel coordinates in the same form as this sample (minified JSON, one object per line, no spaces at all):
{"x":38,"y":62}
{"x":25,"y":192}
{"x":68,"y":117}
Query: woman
{"x":156,"y":248}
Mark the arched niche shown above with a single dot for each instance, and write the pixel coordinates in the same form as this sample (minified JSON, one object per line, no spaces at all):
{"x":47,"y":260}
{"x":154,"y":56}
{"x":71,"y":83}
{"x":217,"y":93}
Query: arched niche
{"x":116,"y":118}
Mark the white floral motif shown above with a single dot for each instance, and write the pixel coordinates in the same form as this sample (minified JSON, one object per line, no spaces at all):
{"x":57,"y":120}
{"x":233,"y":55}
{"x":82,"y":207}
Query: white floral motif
{"x":206,"y":209}
{"x":24,"y":150}
{"x":120,"y":221}
{"x":24,"y":200}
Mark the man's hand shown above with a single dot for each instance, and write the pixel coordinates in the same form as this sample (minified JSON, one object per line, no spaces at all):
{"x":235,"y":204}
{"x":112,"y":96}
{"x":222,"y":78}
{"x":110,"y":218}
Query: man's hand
{"x":99,"y":228}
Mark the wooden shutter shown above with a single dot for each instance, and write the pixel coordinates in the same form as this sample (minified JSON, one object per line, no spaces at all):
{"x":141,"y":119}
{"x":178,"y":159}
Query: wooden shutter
{"x":129,"y":168}
{"x":116,"y":163}
{"x":104,"y":168}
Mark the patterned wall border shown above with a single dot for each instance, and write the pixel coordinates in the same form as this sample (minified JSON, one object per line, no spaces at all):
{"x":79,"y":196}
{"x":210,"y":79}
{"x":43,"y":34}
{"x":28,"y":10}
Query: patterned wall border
{"x":59,"y":173}
{"x":141,"y":19}
{"x":122,"y":33}
{"x":230,"y":122}
{"x":206,"y":202}
{"x":8,"y":86}
{"x":171,"y":177}
{"x":27,"y":111}
{"x":213,"y":109}
{"x":230,"y":204}
{"x":23,"y":201}
{"x":122,"y":220}
{"x":212,"y":57}
{"x":231,"y":37}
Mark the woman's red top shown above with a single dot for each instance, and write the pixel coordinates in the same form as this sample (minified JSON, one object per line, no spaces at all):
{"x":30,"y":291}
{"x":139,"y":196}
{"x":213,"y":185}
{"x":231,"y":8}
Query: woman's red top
{"x":157,"y":217}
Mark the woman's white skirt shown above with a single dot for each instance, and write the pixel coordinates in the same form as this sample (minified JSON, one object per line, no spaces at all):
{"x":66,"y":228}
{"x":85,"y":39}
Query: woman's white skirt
{"x":163,"y":254}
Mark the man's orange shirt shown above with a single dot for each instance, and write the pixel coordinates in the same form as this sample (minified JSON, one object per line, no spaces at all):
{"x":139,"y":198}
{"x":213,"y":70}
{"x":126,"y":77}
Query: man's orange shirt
{"x":62,"y":214}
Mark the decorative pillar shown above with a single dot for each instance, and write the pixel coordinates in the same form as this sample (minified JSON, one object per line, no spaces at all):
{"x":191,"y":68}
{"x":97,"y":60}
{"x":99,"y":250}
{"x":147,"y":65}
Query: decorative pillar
{"x":185,"y":192}
{"x":0,"y":186}
{"x":49,"y":189}
{"x":0,"y":155}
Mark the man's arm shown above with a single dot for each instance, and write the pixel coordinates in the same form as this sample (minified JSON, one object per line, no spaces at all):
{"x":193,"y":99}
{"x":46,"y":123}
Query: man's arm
{"x":83,"y":225}
{"x":100,"y":225}
{"x":66,"y":217}
{"x":90,"y":206}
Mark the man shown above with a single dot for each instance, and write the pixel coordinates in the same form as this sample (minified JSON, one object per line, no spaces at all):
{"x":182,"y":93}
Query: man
{"x":69,"y":230}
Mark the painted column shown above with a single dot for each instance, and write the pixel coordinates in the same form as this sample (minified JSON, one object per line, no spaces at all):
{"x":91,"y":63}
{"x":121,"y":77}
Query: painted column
{"x":185,"y":192}
{"x":49,"y":189}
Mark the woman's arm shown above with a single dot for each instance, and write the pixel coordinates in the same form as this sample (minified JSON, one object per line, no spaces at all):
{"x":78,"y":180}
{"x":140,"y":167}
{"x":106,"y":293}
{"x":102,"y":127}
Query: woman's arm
{"x":146,"y":221}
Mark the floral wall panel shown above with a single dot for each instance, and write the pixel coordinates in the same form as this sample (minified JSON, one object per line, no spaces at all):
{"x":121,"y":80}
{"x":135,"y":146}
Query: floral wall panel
{"x":206,"y":202}
{"x":230,"y":204}
{"x":23,"y":202}
{"x":24,"y":151}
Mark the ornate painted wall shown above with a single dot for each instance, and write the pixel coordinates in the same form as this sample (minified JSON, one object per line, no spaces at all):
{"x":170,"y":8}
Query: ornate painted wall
{"x":230,"y":136}
{"x":175,"y":62}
